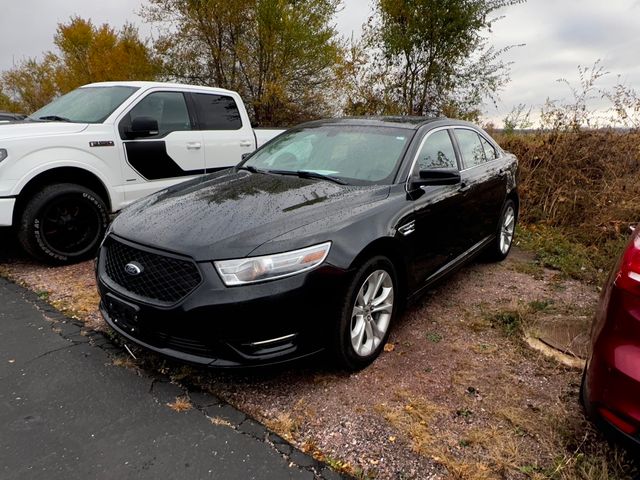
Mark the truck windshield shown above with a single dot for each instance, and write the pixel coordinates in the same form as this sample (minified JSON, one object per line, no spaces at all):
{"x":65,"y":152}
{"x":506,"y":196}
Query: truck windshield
{"x":85,"y":105}
{"x":353,"y":154}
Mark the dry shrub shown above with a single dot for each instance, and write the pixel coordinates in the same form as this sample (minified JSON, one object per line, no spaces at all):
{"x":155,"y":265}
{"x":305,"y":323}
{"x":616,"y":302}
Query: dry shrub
{"x":585,"y":182}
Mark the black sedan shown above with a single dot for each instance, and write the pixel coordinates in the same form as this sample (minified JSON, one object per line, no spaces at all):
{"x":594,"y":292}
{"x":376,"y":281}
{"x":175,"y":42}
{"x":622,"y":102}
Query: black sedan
{"x":316,"y":241}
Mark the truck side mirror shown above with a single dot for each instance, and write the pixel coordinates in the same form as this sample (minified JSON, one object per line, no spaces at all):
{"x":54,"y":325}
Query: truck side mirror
{"x":142,"y":127}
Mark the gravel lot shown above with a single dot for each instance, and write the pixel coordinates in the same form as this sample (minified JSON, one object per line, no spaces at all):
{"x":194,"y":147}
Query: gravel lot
{"x":456,"y":394}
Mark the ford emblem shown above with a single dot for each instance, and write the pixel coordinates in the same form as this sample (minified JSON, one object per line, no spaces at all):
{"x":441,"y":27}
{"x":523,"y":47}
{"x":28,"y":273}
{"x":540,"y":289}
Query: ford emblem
{"x":134,"y":269}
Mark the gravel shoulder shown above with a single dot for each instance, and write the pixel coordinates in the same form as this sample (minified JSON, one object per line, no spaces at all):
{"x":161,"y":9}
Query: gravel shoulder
{"x":457,"y":393}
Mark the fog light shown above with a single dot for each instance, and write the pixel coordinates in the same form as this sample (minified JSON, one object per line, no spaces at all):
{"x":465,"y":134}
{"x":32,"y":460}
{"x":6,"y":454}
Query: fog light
{"x":3,"y":154}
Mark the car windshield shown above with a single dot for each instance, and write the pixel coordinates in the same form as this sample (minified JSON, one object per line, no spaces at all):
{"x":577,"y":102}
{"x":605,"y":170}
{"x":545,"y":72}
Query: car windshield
{"x":85,"y":105}
{"x":350,"y":153}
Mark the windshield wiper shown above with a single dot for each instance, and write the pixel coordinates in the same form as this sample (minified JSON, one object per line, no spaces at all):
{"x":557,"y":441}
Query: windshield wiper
{"x":250,"y":168}
{"x":309,"y":174}
{"x":54,"y":118}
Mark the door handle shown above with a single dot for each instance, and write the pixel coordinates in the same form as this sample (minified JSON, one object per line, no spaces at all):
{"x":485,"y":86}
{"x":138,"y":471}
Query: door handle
{"x":464,"y":187}
{"x":246,"y":143}
{"x":194,"y":146}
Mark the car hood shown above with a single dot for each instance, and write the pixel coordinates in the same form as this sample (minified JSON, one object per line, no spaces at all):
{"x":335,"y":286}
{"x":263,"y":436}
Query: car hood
{"x":38,"y":129}
{"x":231,"y":213}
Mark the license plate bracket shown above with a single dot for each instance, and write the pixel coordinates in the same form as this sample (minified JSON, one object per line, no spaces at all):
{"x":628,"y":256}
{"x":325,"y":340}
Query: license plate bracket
{"x":124,"y":314}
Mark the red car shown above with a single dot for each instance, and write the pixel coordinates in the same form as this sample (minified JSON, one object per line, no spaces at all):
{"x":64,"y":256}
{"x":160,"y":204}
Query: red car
{"x":611,"y":382}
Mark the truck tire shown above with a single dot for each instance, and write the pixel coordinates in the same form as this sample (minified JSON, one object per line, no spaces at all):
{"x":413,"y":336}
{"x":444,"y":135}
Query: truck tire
{"x":63,"y":223}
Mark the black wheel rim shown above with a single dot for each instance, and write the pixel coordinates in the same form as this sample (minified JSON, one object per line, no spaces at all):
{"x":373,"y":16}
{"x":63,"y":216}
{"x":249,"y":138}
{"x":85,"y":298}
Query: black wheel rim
{"x":70,"y":225}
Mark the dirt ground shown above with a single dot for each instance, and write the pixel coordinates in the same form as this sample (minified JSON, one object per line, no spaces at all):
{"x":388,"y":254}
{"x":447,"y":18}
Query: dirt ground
{"x":458,"y":393}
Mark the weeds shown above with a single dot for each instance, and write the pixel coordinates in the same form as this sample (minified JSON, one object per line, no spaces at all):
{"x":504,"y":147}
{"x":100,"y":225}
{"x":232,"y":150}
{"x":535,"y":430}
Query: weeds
{"x":434,"y":337}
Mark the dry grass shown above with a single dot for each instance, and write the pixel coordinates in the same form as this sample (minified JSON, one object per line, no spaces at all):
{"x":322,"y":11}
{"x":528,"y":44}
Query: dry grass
{"x":180,"y":404}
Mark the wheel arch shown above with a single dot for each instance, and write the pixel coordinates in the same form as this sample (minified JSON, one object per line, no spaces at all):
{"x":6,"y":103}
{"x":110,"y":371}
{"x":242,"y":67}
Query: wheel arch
{"x":513,"y":196}
{"x":76,"y":175}
{"x":387,"y":247}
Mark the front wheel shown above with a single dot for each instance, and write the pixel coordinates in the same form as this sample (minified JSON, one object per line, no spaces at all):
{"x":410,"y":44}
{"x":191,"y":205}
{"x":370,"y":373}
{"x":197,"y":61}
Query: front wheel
{"x":501,"y":246}
{"x":366,"y":315}
{"x":63,"y":223}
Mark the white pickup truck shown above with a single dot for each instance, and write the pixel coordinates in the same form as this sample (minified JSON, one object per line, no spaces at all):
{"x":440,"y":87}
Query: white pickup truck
{"x":100,"y":147}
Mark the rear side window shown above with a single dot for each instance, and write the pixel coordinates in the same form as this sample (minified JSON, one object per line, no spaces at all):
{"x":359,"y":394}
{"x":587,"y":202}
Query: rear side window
{"x":437,"y":152}
{"x":169,"y":109}
{"x":470,"y":147}
{"x":489,"y":150}
{"x":217,"y":112}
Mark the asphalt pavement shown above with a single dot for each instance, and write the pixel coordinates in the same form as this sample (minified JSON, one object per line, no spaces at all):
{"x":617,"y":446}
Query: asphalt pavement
{"x":67,"y":412}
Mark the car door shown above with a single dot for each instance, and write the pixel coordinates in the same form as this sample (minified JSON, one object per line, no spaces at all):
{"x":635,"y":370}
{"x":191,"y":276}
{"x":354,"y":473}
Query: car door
{"x":161,"y":158}
{"x":226,"y":138}
{"x":483,"y":185}
{"x":435,"y":239}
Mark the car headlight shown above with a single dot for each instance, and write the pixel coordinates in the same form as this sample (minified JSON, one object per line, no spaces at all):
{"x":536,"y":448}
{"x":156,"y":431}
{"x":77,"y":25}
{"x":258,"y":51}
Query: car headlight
{"x":270,"y":267}
{"x":3,"y":154}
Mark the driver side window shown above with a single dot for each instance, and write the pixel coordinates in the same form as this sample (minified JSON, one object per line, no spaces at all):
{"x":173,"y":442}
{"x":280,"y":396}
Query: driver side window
{"x":437,"y":152}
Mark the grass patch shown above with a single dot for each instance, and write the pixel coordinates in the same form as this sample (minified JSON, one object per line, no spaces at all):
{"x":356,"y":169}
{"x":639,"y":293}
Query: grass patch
{"x":554,"y":248}
{"x":434,"y":337}
{"x":509,"y":321}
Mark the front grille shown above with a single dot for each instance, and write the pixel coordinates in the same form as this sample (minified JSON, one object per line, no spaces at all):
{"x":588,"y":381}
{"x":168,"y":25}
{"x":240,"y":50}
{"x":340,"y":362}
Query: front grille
{"x":164,"y":279}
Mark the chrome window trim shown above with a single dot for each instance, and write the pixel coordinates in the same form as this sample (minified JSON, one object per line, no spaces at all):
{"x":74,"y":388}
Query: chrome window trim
{"x":491,"y":142}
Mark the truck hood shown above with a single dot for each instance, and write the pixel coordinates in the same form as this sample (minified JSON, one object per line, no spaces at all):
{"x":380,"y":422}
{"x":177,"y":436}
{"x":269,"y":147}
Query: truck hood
{"x":38,"y":129}
{"x":231,"y":213}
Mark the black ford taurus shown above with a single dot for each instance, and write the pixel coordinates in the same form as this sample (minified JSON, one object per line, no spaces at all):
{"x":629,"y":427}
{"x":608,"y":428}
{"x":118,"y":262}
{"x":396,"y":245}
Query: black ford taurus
{"x":316,"y":241}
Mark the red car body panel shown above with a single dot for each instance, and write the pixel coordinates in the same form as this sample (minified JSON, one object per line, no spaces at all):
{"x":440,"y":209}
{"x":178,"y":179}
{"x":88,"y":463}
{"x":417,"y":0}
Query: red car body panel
{"x":611,"y":388}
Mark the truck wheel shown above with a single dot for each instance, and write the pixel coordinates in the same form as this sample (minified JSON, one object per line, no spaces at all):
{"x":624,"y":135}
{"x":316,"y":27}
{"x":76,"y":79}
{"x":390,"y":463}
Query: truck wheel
{"x":63,"y":223}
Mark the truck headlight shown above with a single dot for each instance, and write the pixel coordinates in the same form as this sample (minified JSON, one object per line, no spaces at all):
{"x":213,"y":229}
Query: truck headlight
{"x":3,"y":154}
{"x":270,"y":267}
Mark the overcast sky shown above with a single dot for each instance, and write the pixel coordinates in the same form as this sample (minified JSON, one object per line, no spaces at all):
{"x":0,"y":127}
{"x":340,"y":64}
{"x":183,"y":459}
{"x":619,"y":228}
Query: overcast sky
{"x":559,"y":35}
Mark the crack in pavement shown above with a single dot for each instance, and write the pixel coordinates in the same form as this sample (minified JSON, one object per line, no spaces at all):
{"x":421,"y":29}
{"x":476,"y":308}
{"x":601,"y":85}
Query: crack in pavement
{"x":203,"y":402}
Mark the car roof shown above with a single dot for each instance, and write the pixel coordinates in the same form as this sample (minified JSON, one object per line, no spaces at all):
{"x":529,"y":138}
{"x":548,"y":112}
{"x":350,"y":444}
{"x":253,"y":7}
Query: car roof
{"x":408,"y":122}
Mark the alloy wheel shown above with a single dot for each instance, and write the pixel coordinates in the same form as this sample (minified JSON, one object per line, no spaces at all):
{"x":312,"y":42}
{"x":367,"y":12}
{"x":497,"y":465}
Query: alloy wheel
{"x":371,"y":314}
{"x":507,"y":229}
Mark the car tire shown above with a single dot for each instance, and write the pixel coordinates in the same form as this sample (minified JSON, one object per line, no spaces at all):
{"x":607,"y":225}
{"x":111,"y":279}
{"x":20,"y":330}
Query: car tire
{"x":359,"y":339}
{"x":63,"y":223}
{"x":501,"y":245}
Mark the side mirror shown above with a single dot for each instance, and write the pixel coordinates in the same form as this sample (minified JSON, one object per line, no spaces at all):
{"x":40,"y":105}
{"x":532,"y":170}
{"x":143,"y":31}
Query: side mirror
{"x":143,"y":127}
{"x":435,"y":176}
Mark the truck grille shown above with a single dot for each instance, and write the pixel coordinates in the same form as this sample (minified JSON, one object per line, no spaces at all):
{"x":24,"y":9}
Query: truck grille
{"x":162,"y":278}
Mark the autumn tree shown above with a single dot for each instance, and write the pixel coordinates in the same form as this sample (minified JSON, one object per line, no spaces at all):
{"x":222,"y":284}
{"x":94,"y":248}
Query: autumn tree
{"x":279,"y":54}
{"x":85,"y":53}
{"x":421,"y":57}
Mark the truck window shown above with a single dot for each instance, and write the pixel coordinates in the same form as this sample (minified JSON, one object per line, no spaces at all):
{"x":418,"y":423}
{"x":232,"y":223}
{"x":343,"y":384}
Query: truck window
{"x":217,"y":112}
{"x":168,"y":108}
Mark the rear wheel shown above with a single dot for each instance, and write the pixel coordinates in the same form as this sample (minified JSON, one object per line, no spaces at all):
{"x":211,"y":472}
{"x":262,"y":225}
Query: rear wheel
{"x":501,"y":245}
{"x":366,"y":315}
{"x":63,"y":223}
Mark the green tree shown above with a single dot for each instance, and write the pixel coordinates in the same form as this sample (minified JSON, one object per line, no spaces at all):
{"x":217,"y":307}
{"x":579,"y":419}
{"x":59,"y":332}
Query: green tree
{"x":85,"y":53}
{"x":428,"y":57}
{"x":279,"y":54}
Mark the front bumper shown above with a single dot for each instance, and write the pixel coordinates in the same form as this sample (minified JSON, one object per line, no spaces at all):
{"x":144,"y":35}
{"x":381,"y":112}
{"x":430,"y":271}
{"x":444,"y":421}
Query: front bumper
{"x":7,"y":206}
{"x":612,"y":381}
{"x":219,"y":326}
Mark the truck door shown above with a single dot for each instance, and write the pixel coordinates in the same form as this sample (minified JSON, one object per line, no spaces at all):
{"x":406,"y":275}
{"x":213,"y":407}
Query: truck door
{"x":226,"y":137}
{"x":158,"y":158}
